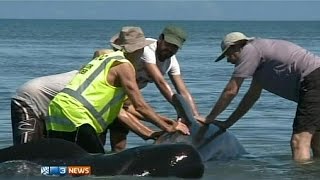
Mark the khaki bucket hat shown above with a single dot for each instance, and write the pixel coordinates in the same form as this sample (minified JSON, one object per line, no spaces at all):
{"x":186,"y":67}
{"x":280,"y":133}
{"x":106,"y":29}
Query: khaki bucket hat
{"x":129,"y":39}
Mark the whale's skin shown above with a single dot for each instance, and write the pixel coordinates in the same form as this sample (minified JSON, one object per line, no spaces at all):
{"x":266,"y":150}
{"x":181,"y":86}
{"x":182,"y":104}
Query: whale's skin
{"x":177,"y":160}
{"x":209,"y":140}
{"x":173,"y":154}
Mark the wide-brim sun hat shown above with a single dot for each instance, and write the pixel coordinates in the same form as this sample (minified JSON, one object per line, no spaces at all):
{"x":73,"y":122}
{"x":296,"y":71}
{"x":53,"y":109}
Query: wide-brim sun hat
{"x":129,"y":39}
{"x":229,"y":40}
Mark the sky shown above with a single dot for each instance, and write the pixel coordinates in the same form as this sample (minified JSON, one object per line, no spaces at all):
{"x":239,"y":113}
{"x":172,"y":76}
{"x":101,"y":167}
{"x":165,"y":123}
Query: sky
{"x":162,"y":9}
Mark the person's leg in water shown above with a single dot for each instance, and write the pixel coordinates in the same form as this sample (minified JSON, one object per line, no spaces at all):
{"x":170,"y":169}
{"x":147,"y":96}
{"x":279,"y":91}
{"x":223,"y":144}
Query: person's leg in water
{"x":315,"y":145}
{"x":300,"y":146}
{"x":26,"y":125}
{"x":307,"y":121}
{"x":118,"y":135}
{"x":119,"y":130}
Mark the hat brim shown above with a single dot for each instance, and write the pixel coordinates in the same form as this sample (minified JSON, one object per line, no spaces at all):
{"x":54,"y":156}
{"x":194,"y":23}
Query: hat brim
{"x":129,"y":48}
{"x":173,"y":40}
{"x":113,"y":39}
{"x":222,"y":55}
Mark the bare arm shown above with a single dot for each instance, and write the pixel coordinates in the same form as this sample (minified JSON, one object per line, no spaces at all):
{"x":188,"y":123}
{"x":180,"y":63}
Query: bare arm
{"x":132,"y":111}
{"x":154,"y":72}
{"x":129,"y":108}
{"x":131,"y":118}
{"x":128,"y":82}
{"x":137,"y":127}
{"x":181,"y":88}
{"x":229,"y":92}
{"x":246,"y":103}
{"x":134,"y":124}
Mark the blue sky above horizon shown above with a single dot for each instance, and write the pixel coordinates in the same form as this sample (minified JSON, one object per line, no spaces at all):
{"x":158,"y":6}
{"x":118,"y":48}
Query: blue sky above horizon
{"x":161,"y":10}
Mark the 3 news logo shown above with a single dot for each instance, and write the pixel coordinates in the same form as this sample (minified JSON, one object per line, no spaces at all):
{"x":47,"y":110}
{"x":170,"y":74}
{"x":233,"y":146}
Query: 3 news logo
{"x":65,"y":170}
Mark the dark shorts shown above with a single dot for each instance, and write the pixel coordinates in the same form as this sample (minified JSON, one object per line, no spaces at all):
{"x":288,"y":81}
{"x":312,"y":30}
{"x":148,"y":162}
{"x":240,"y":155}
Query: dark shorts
{"x":26,"y":126}
{"x":118,"y":135}
{"x":117,"y":129}
{"x":308,"y":110}
{"x":118,"y":126}
{"x":85,"y":136}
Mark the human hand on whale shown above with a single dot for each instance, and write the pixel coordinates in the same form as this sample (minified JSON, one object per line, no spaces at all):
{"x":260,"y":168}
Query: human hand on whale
{"x":221,"y":124}
{"x":156,"y":134}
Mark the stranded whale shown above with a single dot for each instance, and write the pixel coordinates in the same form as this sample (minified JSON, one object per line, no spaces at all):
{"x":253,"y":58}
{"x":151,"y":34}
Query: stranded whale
{"x":209,"y":140}
{"x":173,"y":155}
{"x":179,"y":160}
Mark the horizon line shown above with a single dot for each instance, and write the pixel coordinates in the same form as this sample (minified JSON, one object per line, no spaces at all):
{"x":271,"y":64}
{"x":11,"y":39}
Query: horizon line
{"x":281,"y":20}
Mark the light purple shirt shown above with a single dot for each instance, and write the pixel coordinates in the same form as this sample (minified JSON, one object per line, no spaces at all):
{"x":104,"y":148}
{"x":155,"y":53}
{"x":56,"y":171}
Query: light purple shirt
{"x":279,"y":66}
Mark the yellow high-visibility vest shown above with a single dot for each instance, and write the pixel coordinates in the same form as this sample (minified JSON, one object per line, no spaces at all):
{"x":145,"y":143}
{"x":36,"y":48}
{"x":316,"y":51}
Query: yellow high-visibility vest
{"x":88,"y":98}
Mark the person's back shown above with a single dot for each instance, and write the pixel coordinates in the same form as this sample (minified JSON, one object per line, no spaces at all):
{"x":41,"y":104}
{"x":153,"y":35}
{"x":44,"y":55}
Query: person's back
{"x":293,"y":58}
{"x":29,"y":106}
{"x":89,"y":98}
{"x":38,"y":92}
{"x":282,"y":66}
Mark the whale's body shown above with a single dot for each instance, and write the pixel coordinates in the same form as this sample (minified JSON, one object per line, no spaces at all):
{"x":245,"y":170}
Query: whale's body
{"x":209,"y":140}
{"x":173,"y":154}
{"x":179,"y":160}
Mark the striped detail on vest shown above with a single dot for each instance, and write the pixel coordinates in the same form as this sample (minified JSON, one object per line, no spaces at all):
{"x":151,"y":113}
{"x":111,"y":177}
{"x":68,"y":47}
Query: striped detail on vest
{"x":77,"y":94}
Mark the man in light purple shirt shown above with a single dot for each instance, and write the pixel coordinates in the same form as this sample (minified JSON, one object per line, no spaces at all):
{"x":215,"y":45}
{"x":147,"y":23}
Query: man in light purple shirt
{"x":282,"y":68}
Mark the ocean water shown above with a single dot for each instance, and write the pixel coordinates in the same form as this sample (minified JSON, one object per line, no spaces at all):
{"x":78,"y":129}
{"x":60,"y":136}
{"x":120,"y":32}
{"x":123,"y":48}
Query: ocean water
{"x":33,"y":48}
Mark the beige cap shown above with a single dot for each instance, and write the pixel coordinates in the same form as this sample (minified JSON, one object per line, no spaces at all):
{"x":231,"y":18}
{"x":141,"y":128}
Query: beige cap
{"x":231,"y":39}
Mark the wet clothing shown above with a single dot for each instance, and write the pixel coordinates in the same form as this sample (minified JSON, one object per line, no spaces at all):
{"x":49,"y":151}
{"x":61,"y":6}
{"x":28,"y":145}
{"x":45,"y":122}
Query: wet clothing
{"x":285,"y":69}
{"x":29,"y":106}
{"x":170,"y":66}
